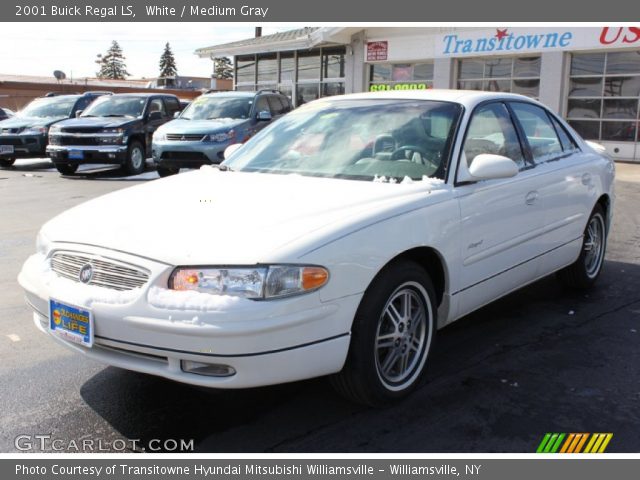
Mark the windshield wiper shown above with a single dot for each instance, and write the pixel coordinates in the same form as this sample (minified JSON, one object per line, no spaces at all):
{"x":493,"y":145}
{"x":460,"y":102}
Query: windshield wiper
{"x":116,"y":115}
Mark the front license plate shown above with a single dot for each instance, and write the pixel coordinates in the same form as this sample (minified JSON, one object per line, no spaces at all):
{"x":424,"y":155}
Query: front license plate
{"x":6,"y":149}
{"x":76,"y":154}
{"x":72,"y":323}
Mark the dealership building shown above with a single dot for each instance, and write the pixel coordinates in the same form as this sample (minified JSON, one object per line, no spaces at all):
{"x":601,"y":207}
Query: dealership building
{"x":589,"y":75}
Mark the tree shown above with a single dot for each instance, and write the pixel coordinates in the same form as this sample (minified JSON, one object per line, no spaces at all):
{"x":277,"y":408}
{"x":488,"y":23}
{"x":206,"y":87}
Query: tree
{"x":168,"y":63}
{"x":222,"y":68}
{"x":112,"y":64}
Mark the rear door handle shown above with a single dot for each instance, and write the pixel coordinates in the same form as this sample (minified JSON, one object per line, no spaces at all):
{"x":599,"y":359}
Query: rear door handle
{"x":531,"y":198}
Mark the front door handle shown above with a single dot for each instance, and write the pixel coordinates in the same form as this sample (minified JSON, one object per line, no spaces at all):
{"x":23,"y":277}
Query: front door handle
{"x":531,"y":198}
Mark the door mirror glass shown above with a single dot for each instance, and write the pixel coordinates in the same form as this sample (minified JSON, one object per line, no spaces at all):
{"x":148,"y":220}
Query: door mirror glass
{"x":487,"y":166}
{"x":176,"y":114}
{"x":155,"y":116}
{"x":78,"y":113}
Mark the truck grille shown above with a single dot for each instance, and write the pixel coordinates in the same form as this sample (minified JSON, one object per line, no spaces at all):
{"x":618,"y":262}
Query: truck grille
{"x":64,"y":140}
{"x":107,"y":273}
{"x":178,"y":137}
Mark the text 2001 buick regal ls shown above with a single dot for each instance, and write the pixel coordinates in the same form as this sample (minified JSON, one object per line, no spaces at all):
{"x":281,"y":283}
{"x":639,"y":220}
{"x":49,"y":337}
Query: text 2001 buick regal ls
{"x":336,"y":241}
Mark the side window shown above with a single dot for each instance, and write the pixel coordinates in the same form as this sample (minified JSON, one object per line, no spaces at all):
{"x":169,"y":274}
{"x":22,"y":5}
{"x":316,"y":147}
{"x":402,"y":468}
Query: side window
{"x":491,"y":131}
{"x":83,"y":103}
{"x":173,"y":105}
{"x":276,"y":105}
{"x":156,"y":105}
{"x":539,"y":131}
{"x":568,"y":143}
{"x":262,"y":104}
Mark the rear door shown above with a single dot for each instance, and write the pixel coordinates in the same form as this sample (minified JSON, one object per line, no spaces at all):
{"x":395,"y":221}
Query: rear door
{"x":567,"y":182}
{"x":501,"y":219}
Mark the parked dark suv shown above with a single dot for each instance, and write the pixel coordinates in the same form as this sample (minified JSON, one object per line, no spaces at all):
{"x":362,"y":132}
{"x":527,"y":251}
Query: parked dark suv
{"x":210,"y":124}
{"x":116,"y":130}
{"x":25,"y":134}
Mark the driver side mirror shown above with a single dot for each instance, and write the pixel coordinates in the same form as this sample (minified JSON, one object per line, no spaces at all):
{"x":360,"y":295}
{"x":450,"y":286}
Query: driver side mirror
{"x":78,"y":113}
{"x":154,"y":116}
{"x":176,"y":114}
{"x":264,"y":116}
{"x":487,"y":166}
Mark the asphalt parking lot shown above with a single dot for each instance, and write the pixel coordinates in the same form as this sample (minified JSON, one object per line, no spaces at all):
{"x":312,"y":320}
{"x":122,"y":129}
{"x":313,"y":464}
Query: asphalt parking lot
{"x":540,"y":360}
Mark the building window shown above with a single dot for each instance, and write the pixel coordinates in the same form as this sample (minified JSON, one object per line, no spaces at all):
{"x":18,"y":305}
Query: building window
{"x":604,"y":90}
{"x":246,"y":69}
{"x":309,"y":65}
{"x":400,"y":76}
{"x":268,"y":68}
{"x":501,"y":74}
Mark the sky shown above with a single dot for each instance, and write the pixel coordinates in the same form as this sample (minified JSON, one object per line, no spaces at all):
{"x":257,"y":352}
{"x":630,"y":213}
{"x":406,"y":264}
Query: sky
{"x":41,"y":48}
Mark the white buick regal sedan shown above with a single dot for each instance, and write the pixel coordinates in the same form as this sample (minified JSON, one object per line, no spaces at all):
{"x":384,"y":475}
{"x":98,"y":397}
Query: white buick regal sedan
{"x":335,"y":242}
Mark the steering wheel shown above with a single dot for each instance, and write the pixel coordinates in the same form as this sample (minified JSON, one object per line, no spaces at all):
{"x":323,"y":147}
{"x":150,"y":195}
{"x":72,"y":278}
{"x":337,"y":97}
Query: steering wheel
{"x":398,"y":154}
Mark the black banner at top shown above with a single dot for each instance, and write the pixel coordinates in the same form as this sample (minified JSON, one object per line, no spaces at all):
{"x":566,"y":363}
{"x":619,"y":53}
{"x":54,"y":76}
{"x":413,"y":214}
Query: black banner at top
{"x":494,"y":11}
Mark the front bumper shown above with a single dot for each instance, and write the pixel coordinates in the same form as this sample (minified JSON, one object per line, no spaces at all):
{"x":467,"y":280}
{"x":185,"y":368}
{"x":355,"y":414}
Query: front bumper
{"x":265,"y":342}
{"x":22,"y":146}
{"x":187,"y":154}
{"x":90,"y":154}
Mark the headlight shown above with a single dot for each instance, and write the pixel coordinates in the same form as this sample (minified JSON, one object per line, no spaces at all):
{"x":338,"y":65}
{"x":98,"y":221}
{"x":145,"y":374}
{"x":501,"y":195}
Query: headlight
{"x":54,"y":129}
{"x":222,"y":136}
{"x":250,"y":282}
{"x":117,"y":131}
{"x":34,"y":131}
{"x":43,"y":244}
{"x":159,"y":136}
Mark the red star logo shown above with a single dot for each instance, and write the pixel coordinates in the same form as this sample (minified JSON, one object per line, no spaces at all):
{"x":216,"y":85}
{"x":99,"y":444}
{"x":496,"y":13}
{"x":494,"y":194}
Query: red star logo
{"x":500,"y":34}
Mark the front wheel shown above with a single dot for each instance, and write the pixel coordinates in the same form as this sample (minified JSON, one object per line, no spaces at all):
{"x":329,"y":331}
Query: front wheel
{"x":135,"y":158}
{"x":7,"y":162}
{"x":67,"y":168}
{"x":391,"y":336}
{"x":584,"y":272}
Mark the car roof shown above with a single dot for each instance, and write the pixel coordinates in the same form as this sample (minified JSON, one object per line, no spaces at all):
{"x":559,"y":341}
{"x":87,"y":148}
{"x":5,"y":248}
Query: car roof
{"x":142,"y":94}
{"x":233,"y":93}
{"x":468,"y":98}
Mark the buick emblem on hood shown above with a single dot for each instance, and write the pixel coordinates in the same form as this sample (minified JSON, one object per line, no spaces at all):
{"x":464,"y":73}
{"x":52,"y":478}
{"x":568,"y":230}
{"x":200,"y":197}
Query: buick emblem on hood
{"x":86,"y":273}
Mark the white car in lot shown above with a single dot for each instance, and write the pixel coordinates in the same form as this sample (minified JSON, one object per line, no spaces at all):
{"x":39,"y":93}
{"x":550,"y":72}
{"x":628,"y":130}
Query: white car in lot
{"x":335,"y":242}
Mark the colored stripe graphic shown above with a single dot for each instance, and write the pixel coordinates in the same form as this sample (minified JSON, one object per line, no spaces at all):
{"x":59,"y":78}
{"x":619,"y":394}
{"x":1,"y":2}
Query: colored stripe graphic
{"x":574,"y":443}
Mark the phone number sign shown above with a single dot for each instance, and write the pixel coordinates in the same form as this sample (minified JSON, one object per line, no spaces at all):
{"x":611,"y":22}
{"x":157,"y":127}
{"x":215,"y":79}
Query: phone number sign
{"x":377,"y":51}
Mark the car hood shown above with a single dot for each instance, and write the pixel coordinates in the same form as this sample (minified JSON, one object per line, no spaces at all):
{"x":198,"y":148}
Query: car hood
{"x":97,"y":122}
{"x":24,"y":122}
{"x":222,"y":217}
{"x":180,"y":126}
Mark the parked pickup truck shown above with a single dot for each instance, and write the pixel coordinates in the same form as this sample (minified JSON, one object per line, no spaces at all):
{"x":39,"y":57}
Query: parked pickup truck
{"x":24,"y":135}
{"x":114,"y":130}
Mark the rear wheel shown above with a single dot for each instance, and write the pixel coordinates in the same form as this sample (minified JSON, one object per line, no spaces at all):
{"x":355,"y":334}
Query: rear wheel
{"x":167,"y":171}
{"x":7,"y":162}
{"x":67,"y":168}
{"x":584,"y":272}
{"x":391,"y":336}
{"x":135,"y":158}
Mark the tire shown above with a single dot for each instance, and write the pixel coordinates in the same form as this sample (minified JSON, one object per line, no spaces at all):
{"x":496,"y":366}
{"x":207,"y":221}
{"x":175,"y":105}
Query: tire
{"x":136,"y":159}
{"x":66,"y":168}
{"x":7,"y":162}
{"x":167,"y":171}
{"x":584,"y":272}
{"x":381,"y":367}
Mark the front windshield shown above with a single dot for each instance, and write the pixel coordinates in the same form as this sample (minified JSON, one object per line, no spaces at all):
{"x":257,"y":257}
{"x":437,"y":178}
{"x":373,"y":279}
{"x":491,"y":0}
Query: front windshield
{"x":113,"y":106}
{"x":357,"y":139}
{"x":210,"y":108}
{"x":49,"y":107}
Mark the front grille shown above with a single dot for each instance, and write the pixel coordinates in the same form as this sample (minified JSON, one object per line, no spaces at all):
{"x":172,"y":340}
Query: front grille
{"x":177,"y":137}
{"x":107,"y":273}
{"x":184,"y":156}
{"x":16,"y":142}
{"x":63,"y":140}
{"x":82,"y":129}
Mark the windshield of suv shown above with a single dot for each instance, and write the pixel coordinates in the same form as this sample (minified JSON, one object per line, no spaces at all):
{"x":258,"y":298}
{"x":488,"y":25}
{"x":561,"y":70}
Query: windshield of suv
{"x":114,"y":106}
{"x":357,"y":139}
{"x":209,"y":108}
{"x":49,"y":107}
